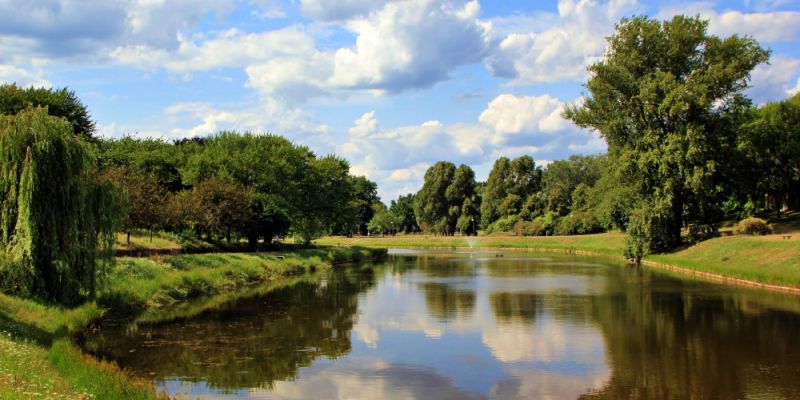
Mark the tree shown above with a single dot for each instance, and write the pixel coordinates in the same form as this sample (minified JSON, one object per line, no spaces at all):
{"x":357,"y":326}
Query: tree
{"x":664,"y":97}
{"x":328,"y":195}
{"x":460,"y":196}
{"x":495,"y":191}
{"x":562,"y":177}
{"x":221,"y":207}
{"x":403,"y":209}
{"x":59,"y":103}
{"x":509,"y":185}
{"x":365,"y":194}
{"x":146,"y":157}
{"x":772,"y":143}
{"x":430,"y":203}
{"x":57,"y":220}
{"x":383,"y":221}
{"x":145,"y":198}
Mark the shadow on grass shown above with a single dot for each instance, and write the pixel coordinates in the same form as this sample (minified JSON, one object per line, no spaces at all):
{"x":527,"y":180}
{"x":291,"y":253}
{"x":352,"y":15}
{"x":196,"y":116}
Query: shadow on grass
{"x":22,"y":331}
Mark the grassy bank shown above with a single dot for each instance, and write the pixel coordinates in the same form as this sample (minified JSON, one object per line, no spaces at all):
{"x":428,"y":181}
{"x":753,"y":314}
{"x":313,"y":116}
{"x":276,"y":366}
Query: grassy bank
{"x":769,"y":259}
{"x":612,"y":243}
{"x":39,"y":360}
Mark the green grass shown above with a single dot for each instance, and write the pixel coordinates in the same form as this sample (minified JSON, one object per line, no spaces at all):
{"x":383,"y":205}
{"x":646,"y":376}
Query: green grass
{"x":139,"y":284}
{"x":38,"y":359}
{"x":612,"y":243}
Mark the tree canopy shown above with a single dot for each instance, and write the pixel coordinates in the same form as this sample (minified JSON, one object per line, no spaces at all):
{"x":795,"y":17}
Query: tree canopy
{"x":59,"y":103}
{"x":665,"y":97}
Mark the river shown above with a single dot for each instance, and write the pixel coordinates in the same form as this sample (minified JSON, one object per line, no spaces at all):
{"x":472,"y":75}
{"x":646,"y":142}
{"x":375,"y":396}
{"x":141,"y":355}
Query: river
{"x":460,"y":325}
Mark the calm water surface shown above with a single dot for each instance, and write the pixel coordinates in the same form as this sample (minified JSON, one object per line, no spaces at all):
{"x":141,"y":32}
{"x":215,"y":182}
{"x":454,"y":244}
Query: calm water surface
{"x":473,"y":326}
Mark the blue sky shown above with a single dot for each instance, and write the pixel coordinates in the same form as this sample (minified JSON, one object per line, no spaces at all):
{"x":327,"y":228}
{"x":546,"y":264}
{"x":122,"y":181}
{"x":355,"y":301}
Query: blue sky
{"x":391,"y":85}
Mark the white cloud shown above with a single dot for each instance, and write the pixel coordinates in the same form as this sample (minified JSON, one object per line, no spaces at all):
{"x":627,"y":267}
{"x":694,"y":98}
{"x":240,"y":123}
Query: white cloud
{"x":339,"y":10}
{"x":23,"y":78}
{"x":795,"y":89}
{"x":764,"y":26}
{"x":366,"y":125}
{"x":509,"y":114}
{"x":80,"y":30}
{"x":774,"y":81}
{"x":401,"y":46}
{"x":268,"y":9}
{"x":564,"y":49}
{"x":231,"y":48}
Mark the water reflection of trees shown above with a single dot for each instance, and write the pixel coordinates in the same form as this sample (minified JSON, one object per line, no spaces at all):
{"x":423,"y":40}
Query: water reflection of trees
{"x":513,"y":307}
{"x":251,"y":343}
{"x":682,"y":343}
{"x":448,"y":303}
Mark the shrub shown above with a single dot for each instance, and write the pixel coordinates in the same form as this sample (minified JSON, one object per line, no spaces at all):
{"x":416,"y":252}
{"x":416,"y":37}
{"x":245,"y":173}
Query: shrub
{"x":753,"y":226}
{"x":579,"y":223}
{"x":505,"y":224}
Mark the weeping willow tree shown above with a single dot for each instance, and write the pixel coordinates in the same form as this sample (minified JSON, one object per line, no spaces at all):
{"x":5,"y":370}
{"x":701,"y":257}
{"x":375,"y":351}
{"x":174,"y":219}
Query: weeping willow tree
{"x":57,"y":220}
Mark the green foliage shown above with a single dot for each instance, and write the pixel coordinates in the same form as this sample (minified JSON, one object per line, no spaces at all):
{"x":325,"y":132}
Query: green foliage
{"x":665,"y":97}
{"x":145,"y":157}
{"x":771,"y":143}
{"x":403,"y":209}
{"x":58,"y":221}
{"x":504,"y":224}
{"x":509,"y":184}
{"x":383,"y":221}
{"x":58,"y":102}
{"x":253,"y":186}
{"x":365,"y":196}
{"x":753,"y":226}
{"x":145,"y":198}
{"x":578,"y":223}
{"x":447,"y":197}
{"x":562,"y":177}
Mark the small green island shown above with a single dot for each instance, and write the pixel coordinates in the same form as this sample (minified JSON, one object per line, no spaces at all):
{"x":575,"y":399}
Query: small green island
{"x":696,"y":195}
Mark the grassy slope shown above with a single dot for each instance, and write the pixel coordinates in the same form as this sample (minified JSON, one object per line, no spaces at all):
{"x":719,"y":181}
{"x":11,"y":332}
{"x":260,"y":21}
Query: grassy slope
{"x":37,"y":359}
{"x":766,"y":259}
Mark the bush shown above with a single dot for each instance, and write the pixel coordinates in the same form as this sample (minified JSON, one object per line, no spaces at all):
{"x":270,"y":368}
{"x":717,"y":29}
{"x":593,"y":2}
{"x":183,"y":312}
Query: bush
{"x":753,"y":226}
{"x":505,"y":224}
{"x":544,"y":225}
{"x":579,"y":223}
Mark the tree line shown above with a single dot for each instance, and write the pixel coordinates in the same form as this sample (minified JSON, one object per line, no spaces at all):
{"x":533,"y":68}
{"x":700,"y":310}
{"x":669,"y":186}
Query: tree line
{"x":236,"y":187}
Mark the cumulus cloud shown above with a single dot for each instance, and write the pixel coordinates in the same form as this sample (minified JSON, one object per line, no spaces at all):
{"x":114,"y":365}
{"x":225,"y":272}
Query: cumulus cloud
{"x":22,"y":77}
{"x":563,"y":50}
{"x":76,"y":30}
{"x":398,"y":46}
{"x":339,"y":10}
{"x":774,"y":81}
{"x":231,"y":48}
{"x":764,"y":26}
{"x":509,"y":114}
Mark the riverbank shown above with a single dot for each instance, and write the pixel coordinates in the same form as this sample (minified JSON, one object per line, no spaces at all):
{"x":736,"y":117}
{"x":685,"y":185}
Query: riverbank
{"x":756,"y":261}
{"x":38,"y":357}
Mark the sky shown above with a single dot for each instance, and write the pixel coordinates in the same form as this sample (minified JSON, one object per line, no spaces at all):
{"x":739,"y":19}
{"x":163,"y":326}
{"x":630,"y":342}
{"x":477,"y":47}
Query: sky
{"x":391,"y":85}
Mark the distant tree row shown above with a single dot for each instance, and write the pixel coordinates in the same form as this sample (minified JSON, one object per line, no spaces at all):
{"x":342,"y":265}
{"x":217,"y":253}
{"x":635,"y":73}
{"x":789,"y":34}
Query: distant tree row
{"x":235,"y":186}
